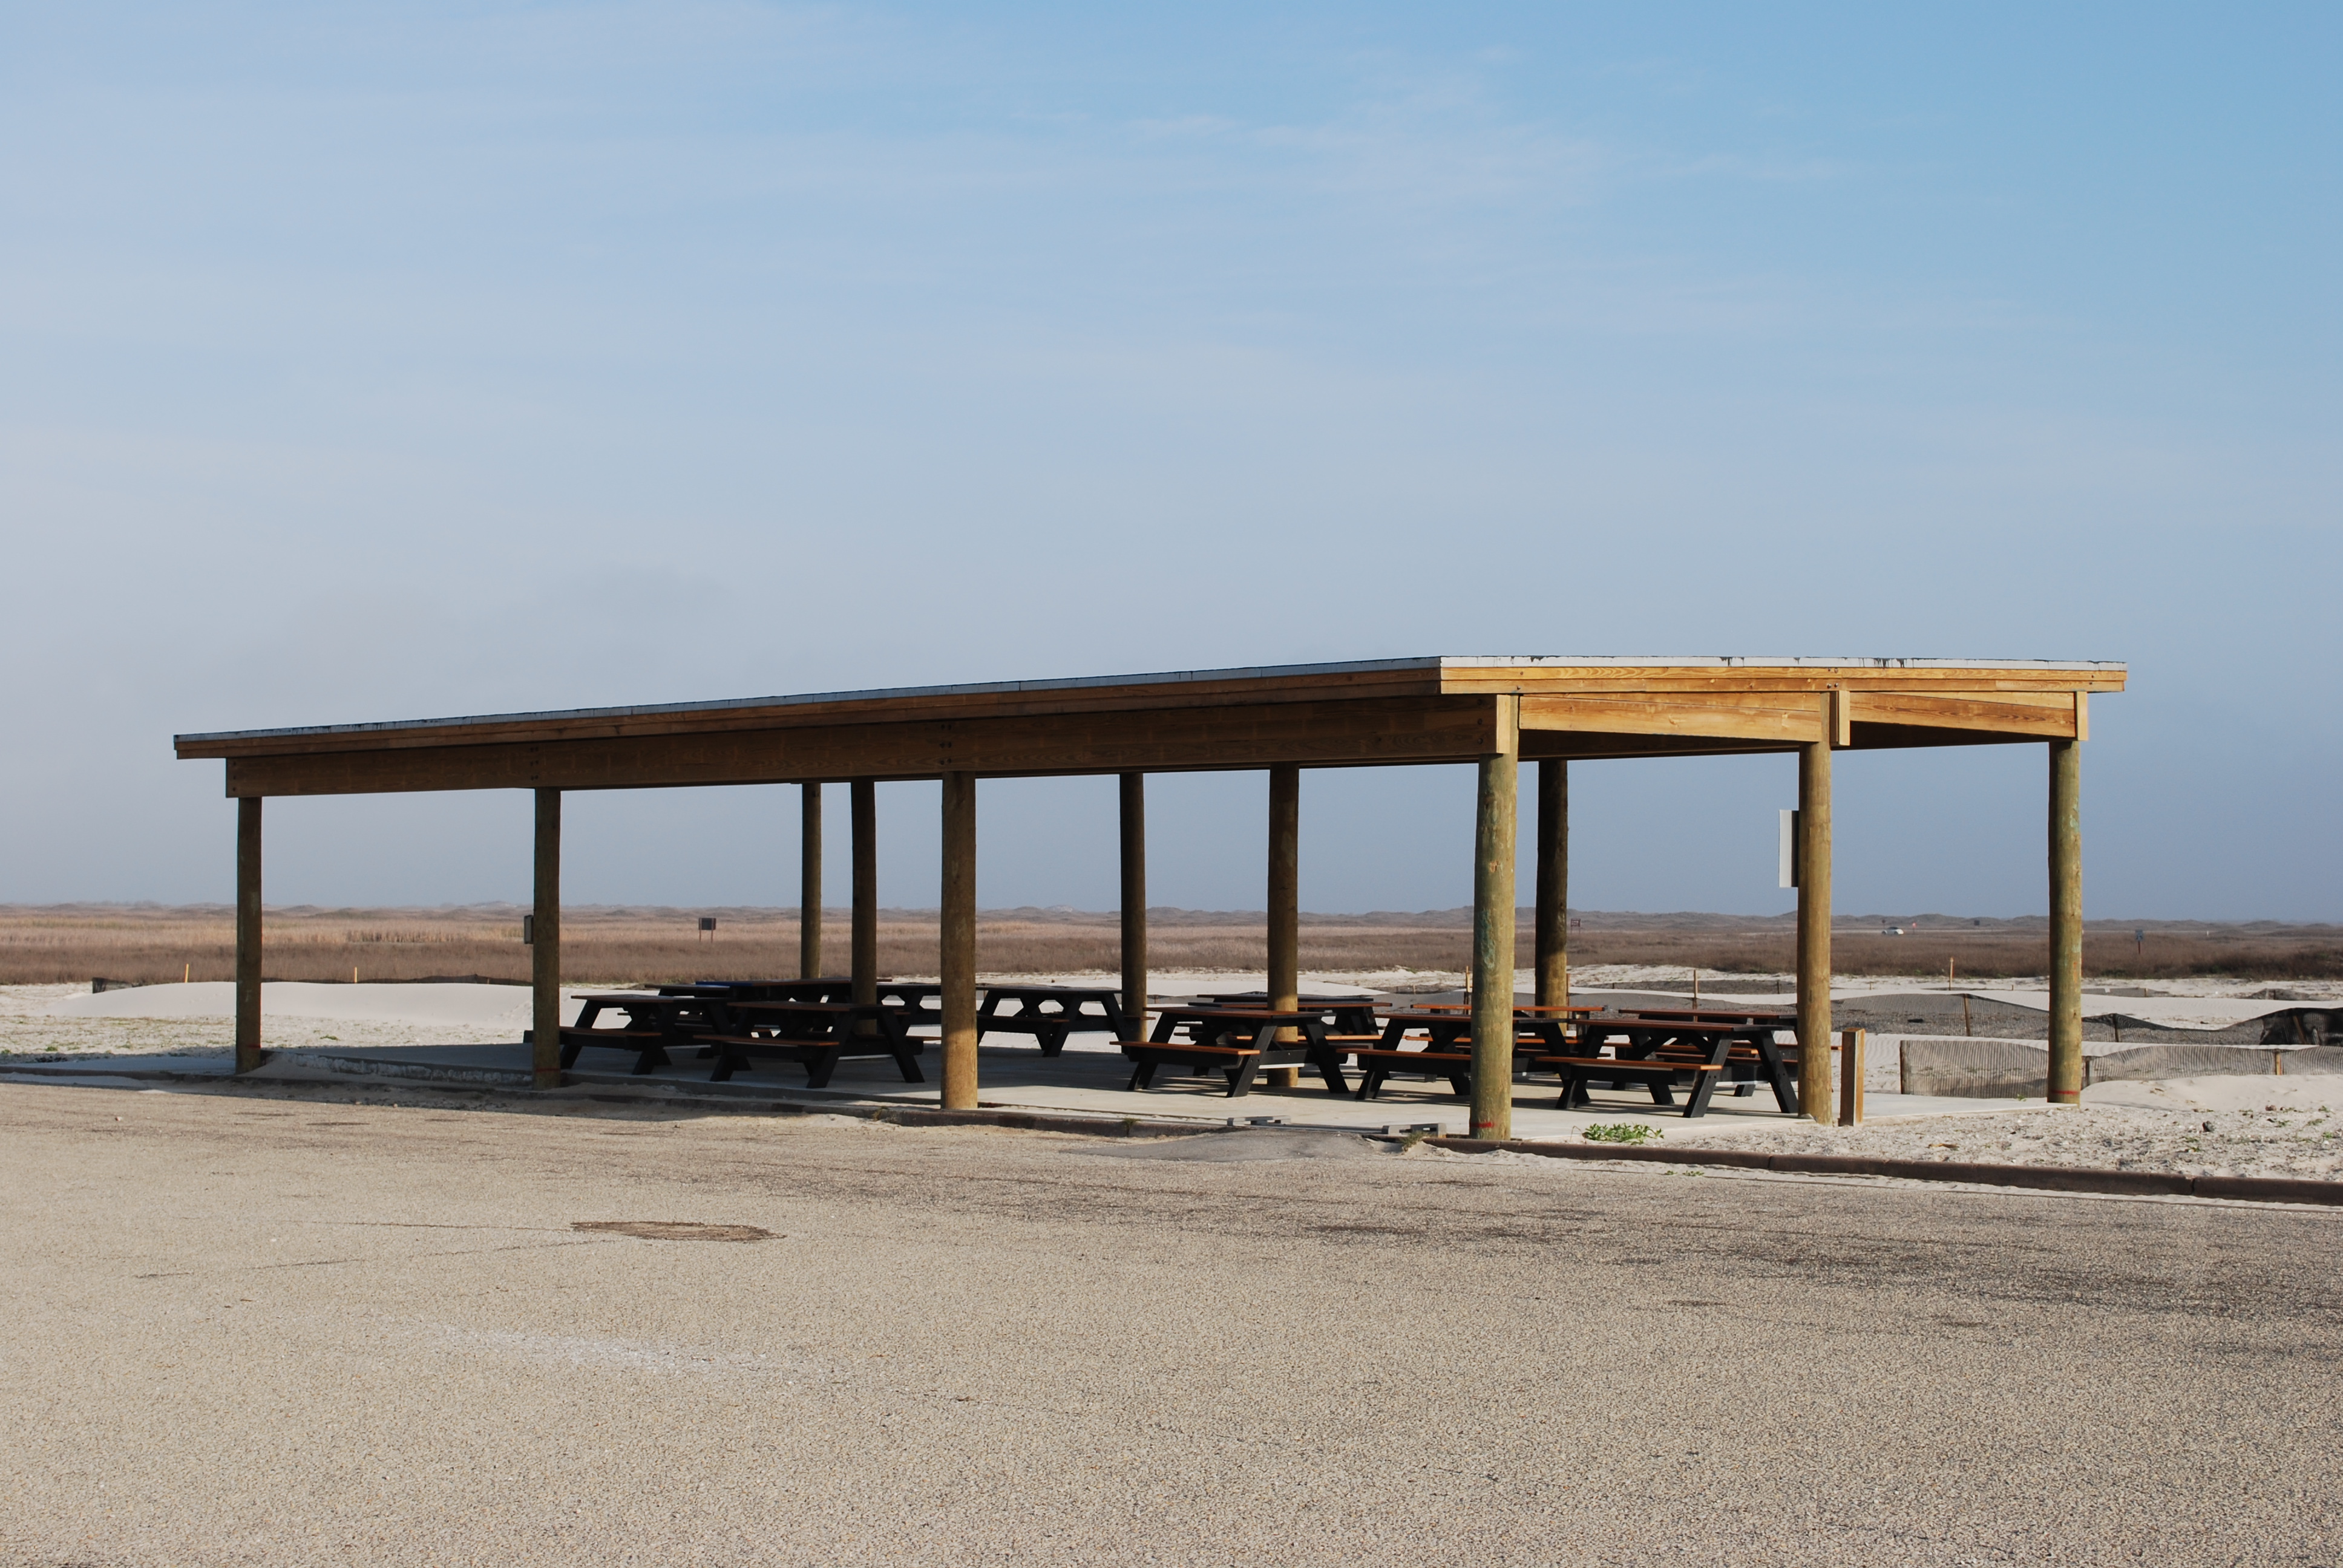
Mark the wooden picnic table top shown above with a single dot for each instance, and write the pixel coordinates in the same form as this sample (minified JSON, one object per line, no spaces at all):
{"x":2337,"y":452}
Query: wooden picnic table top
{"x":633,"y":998}
{"x":1316,"y":999}
{"x":1199,"y":1009}
{"x":1743,"y":1015}
{"x":1519,"y":1007}
{"x":1052,"y":988}
{"x":807,"y":1007}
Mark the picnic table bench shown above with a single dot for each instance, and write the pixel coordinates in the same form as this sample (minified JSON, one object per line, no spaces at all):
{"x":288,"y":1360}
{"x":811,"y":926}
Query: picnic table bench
{"x":1234,"y":1042}
{"x":817,"y":1035}
{"x":1351,"y":1015}
{"x":654,"y":1022}
{"x":1052,"y":1012}
{"x":1656,"y":1052}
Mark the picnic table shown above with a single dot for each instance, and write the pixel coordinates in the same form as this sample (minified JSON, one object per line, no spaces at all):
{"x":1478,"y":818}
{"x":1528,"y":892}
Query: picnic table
{"x":817,"y":1035}
{"x":1773,"y":1016}
{"x":1236,"y":1043}
{"x":1052,"y":1012}
{"x":1657,"y":1053}
{"x":1442,"y":1026}
{"x":654,"y":1022}
{"x":1351,"y":1015}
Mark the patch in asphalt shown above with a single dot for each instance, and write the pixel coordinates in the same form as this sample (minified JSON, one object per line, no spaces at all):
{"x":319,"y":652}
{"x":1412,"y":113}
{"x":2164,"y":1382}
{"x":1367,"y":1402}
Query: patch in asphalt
{"x":675,"y":1229}
{"x":1259,"y":1143}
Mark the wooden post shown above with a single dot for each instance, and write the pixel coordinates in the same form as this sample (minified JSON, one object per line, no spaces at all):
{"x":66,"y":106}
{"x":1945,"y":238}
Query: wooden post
{"x":864,"y":809}
{"x":1851,"y":1045}
{"x":1134,"y":902}
{"x":2065,"y":922}
{"x":247,"y":933}
{"x":545,"y":955}
{"x":957,"y":921}
{"x":1553,"y":924}
{"x":809,"y":880}
{"x":1284,"y":903}
{"x":1814,"y":849}
{"x":1493,"y":918}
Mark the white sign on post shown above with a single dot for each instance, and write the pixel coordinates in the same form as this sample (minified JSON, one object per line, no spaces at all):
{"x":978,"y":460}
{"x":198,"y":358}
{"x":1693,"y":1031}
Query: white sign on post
{"x":1789,"y":849}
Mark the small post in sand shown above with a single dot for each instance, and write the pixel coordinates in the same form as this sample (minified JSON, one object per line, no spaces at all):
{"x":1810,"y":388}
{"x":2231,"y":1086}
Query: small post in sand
{"x":809,"y":880}
{"x":1133,"y":802}
{"x":1493,"y":918}
{"x":247,"y":933}
{"x":1851,"y":1045}
{"x":545,"y":951}
{"x":956,"y":934}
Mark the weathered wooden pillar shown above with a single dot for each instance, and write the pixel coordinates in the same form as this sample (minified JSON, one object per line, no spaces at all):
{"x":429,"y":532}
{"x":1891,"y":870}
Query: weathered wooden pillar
{"x":1134,"y":902}
{"x":247,"y":932}
{"x":1814,"y":852}
{"x":1552,"y":935}
{"x":1494,"y":914}
{"x":2065,"y":922}
{"x":863,"y":796}
{"x":809,"y":880}
{"x":545,"y":955}
{"x":956,"y":920}
{"x":1284,"y":901}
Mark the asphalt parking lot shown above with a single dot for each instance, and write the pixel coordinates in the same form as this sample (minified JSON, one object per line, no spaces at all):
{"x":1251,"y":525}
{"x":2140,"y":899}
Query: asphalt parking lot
{"x":246,"y":1328}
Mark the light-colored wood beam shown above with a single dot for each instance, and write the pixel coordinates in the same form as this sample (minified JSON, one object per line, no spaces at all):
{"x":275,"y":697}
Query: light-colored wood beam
{"x":2048,"y":716}
{"x":1792,"y":719}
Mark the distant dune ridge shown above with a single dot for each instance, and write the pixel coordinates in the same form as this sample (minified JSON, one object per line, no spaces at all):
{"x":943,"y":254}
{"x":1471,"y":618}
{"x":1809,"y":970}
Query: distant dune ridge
{"x":146,"y":943}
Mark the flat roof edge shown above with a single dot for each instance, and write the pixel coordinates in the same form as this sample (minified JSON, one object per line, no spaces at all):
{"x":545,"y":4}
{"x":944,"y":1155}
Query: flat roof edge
{"x":1160,"y":677}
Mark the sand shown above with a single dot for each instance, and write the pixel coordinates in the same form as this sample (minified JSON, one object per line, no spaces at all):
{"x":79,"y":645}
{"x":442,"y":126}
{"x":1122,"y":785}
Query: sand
{"x":2259,"y":1125}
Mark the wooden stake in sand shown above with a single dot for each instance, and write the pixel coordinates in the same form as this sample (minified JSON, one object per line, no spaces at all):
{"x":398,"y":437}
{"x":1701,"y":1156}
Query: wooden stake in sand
{"x":1851,"y":1043}
{"x":1494,"y":916}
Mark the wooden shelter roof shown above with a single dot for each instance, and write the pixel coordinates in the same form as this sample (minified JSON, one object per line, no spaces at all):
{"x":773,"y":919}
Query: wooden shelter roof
{"x":1374,"y":712}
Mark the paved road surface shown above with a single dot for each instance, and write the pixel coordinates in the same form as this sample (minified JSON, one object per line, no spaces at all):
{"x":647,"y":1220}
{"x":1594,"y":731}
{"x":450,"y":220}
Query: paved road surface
{"x":244,"y":1329}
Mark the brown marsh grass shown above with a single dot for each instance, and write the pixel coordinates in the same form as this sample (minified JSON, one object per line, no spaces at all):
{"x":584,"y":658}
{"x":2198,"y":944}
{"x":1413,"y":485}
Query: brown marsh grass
{"x":150,"y":943}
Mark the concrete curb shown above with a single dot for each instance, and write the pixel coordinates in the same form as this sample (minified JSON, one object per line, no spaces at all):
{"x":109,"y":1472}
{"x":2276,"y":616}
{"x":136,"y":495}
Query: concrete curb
{"x":2043,"y":1178}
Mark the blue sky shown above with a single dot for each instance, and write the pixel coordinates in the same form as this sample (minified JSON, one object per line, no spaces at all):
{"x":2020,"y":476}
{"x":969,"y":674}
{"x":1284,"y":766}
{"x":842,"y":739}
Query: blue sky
{"x":370,"y":361}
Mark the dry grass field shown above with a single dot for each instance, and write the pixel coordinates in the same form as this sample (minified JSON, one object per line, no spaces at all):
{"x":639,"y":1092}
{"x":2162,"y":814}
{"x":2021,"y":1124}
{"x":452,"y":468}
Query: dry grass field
{"x":151,"y":943}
